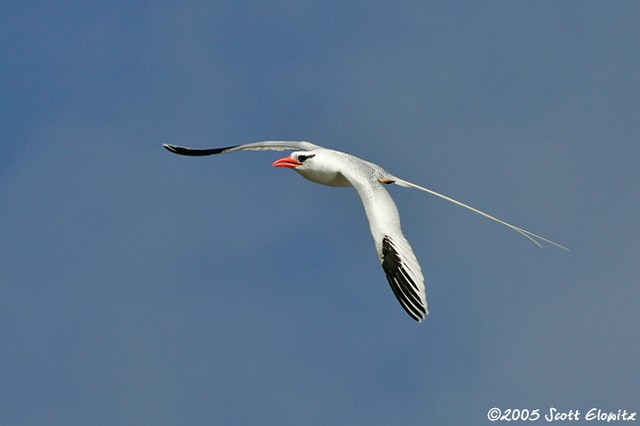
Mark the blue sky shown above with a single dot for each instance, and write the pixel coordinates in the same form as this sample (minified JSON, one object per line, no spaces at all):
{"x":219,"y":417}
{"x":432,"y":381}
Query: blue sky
{"x":139,"y":287}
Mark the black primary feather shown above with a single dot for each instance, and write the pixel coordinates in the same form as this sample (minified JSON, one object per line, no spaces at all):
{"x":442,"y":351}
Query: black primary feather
{"x":181,"y":150}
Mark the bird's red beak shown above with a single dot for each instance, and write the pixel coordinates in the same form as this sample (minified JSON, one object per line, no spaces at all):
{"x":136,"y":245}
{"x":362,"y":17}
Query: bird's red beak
{"x":287,"y":162}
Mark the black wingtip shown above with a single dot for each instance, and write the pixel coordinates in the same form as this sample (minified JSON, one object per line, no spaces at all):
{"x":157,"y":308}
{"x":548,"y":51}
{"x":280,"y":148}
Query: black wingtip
{"x":181,"y":150}
{"x":402,"y":285}
{"x":169,"y":147}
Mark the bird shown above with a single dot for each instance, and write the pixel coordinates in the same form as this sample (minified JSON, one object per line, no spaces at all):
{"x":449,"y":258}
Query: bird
{"x":338,"y":169}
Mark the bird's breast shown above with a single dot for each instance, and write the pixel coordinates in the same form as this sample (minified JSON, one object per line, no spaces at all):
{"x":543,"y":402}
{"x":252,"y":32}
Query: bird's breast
{"x":325,"y":177}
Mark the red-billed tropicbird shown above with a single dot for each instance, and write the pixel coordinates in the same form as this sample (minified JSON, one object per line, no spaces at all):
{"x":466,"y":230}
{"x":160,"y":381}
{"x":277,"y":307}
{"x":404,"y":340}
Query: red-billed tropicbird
{"x":335,"y":168}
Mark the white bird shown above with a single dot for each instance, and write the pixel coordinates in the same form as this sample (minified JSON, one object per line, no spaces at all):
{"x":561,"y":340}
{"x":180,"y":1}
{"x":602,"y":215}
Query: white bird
{"x":335,"y":168}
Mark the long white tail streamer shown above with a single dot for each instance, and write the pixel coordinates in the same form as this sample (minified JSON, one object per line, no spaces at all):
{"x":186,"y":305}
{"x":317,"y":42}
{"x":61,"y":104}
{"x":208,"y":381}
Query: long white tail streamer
{"x":530,"y":235}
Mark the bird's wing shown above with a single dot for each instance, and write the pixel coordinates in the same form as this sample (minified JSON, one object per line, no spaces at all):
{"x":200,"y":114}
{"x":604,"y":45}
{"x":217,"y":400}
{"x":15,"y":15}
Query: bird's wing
{"x":255,"y":146}
{"x":394,"y":251}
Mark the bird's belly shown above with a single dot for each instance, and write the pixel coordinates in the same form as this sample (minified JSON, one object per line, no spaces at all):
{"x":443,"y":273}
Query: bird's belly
{"x":326,"y":178}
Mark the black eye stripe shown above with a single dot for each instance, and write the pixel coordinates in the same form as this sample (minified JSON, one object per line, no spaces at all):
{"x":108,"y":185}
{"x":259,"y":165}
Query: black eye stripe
{"x":302,"y":158}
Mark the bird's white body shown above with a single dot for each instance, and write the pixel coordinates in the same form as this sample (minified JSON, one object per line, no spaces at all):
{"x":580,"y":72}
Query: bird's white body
{"x":334,"y":168}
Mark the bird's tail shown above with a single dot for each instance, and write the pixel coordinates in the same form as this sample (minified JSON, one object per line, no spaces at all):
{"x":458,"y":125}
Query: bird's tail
{"x":530,"y":235}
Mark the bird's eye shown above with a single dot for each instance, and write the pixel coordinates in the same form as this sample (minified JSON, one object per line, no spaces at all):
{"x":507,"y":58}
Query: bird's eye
{"x":303,"y":158}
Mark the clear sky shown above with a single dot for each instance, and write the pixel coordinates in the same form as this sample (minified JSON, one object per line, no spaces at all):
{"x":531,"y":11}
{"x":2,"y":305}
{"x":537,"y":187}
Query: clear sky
{"x":142,"y":288}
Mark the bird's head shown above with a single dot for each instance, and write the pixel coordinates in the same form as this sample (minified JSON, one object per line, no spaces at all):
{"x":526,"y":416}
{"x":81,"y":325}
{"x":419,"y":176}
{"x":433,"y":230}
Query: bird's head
{"x":298,"y":160}
{"x":316,"y":166}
